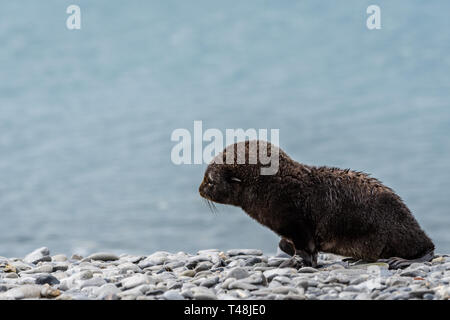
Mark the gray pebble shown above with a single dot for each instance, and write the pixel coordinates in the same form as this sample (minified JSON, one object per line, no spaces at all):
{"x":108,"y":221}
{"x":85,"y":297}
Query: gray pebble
{"x":209,"y":282}
{"x":136,"y":280}
{"x":41,"y":254}
{"x":200,"y":293}
{"x":248,"y":252}
{"x":22,"y":292}
{"x":206,"y":265}
{"x":307,"y":270}
{"x":59,"y":258}
{"x":44,"y":268}
{"x":173,"y":295}
{"x":103,"y":256}
{"x":242,"y":285}
{"x":49,"y":279}
{"x":238,"y":273}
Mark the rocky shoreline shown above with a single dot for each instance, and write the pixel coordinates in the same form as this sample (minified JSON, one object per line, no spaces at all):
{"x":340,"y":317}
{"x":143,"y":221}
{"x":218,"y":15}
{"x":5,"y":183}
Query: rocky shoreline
{"x":212,"y":274}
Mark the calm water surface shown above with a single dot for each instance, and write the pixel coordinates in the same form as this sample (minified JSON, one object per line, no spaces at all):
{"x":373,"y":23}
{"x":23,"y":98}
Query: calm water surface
{"x":86,"y":116}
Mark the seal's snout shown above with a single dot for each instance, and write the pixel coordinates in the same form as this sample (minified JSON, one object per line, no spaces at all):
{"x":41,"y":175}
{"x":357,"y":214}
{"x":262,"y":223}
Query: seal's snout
{"x":201,"y":189}
{"x":205,"y":189}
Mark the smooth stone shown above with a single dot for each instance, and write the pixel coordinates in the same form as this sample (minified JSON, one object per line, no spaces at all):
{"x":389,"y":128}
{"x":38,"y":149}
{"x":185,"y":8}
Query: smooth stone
{"x":261,"y":292}
{"x":420,"y":293}
{"x":152,"y":261}
{"x":248,"y":252}
{"x":257,"y":278}
{"x":22,"y":292}
{"x":173,"y":295}
{"x":203,"y":266}
{"x":284,"y":290}
{"x":225,"y":296}
{"x":187,"y":294}
{"x":84,"y":275}
{"x":94,"y":282}
{"x":137,"y":280}
{"x":135,"y":259}
{"x":103,"y":256}
{"x":188,"y":273}
{"x":238,"y":273}
{"x":347,"y":295}
{"x":413,"y":273}
{"x":106,"y":292}
{"x":282,"y":279}
{"x":37,"y":255}
{"x":44,"y":268}
{"x":203,"y":274}
{"x":358,"y":280}
{"x":400,"y":296}
{"x":270,"y":274}
{"x":59,"y":258}
{"x":242,"y":285}
{"x":9,"y":268}
{"x":60,"y":266}
{"x":227,"y":282}
{"x":207,"y":251}
{"x":135,"y":292}
{"x":241,"y":294}
{"x":293,"y":296}
{"x":174,"y":285}
{"x":49,"y":279}
{"x":49,"y":292}
{"x":209,"y":282}
{"x":438,"y":260}
{"x":11,"y":275}
{"x":200,"y":293}
{"x":129,"y":266}
{"x":303,"y":283}
{"x":174,"y":264}
{"x":20,"y":266}
{"x":398,"y":281}
{"x":252,"y":261}
{"x":338,"y":279}
{"x":276,"y":262}
{"x":155,"y":291}
{"x":307,"y":270}
{"x":353,"y":288}
{"x":428,"y":296}
{"x":76,"y":257}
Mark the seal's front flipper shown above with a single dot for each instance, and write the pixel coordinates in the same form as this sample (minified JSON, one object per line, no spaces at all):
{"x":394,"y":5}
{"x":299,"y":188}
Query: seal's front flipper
{"x":400,"y":263}
{"x":287,"y":246}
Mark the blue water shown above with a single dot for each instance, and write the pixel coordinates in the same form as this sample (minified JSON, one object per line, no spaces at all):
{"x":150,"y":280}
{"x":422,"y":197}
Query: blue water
{"x":86,"y":116}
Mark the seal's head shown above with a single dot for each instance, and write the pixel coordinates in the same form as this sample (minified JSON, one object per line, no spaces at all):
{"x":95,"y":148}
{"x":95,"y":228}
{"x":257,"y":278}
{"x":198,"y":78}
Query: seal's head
{"x":236,"y":172}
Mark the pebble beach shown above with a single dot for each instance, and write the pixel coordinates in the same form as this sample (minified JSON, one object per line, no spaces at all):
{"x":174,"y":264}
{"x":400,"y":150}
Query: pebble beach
{"x":244,"y":274}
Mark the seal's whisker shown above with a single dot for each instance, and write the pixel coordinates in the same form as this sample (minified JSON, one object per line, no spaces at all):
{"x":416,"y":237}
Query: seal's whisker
{"x":212,"y":207}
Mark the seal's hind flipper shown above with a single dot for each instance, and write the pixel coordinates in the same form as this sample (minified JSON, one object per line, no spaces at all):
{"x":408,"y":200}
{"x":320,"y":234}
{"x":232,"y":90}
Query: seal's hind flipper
{"x":400,"y":263}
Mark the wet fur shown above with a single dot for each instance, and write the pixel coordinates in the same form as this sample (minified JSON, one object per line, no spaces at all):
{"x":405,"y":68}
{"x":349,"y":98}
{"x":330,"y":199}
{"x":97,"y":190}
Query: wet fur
{"x":324,"y":209}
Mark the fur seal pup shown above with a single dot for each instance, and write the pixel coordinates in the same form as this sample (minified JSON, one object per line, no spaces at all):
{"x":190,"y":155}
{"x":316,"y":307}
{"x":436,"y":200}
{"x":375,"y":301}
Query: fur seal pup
{"x":316,"y":209}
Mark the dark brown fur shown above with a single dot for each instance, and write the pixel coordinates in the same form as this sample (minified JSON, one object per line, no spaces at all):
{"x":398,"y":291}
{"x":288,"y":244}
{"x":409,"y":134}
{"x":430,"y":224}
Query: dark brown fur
{"x":324,"y":209}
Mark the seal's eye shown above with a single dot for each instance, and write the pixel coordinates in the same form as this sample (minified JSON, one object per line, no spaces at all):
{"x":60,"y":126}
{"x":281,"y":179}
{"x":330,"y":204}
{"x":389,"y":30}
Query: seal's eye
{"x":236,"y":180}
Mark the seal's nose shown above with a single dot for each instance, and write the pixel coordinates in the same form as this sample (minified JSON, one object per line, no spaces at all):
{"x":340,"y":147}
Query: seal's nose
{"x":201,"y":189}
